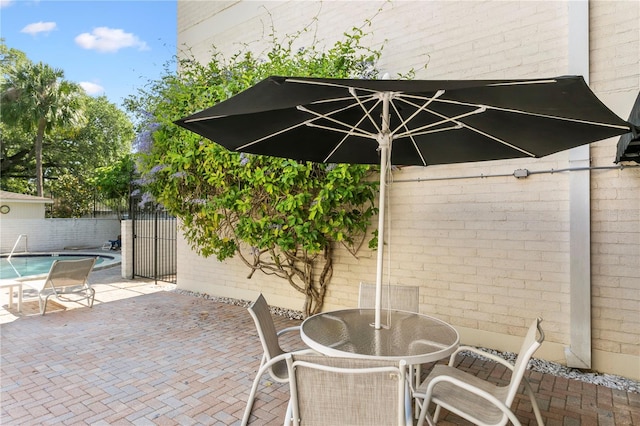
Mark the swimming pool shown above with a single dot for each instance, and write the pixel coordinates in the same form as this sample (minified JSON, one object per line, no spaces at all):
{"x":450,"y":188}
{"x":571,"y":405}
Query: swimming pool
{"x":33,"y":265}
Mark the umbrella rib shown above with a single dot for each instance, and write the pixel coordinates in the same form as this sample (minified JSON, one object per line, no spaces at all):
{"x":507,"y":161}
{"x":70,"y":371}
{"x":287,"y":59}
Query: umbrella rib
{"x":326,"y":159}
{"x":534,"y":114}
{"x":445,"y":119}
{"x":324,"y":83}
{"x":426,"y":132}
{"x":346,"y":132}
{"x":310,"y":124}
{"x":418,"y":110}
{"x":349,"y":130}
{"x":487,"y":135}
{"x":367,"y":113}
{"x":479,"y":109}
{"x":240,"y":148}
{"x":210,"y":117}
{"x":328,"y":101}
{"x":523,"y":82}
{"x":473,"y":129}
{"x":413,"y":141}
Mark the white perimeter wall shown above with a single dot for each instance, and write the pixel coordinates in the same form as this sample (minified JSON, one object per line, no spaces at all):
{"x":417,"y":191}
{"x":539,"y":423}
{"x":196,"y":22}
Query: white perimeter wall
{"x":56,"y":234}
{"x":490,"y":253}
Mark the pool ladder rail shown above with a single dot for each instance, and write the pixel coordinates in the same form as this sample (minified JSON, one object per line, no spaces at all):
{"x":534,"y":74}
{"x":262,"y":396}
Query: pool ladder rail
{"x":26,"y":239}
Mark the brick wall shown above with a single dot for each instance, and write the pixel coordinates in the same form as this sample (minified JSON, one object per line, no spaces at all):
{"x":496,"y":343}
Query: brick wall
{"x":615,"y":194}
{"x":489,"y":251}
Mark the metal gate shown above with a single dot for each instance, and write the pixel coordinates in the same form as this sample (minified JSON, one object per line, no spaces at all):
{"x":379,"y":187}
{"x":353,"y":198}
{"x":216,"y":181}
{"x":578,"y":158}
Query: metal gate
{"x":154,"y":243}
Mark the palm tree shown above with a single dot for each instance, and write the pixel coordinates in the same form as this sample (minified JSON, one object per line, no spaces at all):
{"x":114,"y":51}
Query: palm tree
{"x":37,"y":97}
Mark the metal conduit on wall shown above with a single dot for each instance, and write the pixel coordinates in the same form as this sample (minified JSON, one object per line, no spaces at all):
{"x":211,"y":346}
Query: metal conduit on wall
{"x":518,"y":173}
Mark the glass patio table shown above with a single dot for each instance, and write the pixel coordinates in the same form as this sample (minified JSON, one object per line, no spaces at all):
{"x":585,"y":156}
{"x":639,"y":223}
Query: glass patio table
{"x":409,"y":336}
{"x":415,"y":338}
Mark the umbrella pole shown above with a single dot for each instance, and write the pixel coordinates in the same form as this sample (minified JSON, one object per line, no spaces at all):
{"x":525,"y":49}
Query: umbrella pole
{"x":384,"y":141}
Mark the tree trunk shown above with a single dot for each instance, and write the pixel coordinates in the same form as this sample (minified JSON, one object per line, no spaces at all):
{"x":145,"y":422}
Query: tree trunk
{"x":298,"y":269}
{"x":38,"y":151}
{"x":314,"y":296}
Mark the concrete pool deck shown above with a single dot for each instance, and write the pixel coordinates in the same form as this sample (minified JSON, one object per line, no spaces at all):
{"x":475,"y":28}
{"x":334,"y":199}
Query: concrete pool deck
{"x":146,"y":355}
{"x":106,"y":279}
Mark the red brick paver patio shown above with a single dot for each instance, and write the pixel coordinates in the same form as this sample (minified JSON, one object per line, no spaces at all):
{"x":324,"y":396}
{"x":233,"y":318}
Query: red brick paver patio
{"x":144,"y":356}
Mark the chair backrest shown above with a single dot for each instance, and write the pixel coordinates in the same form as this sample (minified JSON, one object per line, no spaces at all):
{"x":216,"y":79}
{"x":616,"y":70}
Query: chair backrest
{"x":530,"y":345}
{"x":403,"y":297}
{"x":261,"y":315}
{"x":346,"y":391}
{"x":69,"y":273}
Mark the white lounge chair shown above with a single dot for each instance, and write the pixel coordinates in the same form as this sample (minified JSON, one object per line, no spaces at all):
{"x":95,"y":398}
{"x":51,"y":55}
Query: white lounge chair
{"x":475,"y":399}
{"x":65,"y":277}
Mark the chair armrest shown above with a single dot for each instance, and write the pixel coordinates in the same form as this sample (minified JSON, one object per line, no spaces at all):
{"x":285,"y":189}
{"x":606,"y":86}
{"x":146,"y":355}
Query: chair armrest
{"x":482,"y":353}
{"x":288,"y":329}
{"x":472,"y":389}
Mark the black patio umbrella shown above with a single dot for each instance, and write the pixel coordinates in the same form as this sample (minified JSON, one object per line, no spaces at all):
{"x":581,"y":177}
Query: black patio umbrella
{"x":629,"y":143}
{"x":407,"y":122}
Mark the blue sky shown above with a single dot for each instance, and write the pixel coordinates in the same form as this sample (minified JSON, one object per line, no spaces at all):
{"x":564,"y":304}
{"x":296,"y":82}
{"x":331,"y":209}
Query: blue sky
{"x":110,"y":47}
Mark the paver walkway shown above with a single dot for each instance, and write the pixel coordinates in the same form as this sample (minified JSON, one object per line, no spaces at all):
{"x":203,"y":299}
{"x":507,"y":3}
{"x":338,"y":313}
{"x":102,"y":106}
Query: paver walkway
{"x":145,"y":356}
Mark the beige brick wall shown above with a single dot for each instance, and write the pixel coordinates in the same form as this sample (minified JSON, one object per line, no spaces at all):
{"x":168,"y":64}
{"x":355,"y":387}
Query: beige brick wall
{"x":615,"y":196}
{"x":489,"y":251}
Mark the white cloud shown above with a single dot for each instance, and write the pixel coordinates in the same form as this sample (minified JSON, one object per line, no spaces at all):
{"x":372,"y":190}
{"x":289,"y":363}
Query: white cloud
{"x":92,"y":88}
{"x":105,"y":39}
{"x":39,"y":27}
{"x":5,"y":3}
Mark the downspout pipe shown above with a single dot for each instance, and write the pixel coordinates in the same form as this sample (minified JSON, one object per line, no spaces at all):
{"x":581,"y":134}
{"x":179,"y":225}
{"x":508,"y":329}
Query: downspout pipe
{"x":578,"y":353}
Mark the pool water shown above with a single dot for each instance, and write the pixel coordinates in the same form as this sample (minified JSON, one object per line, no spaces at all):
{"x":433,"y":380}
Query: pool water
{"x":28,"y":265}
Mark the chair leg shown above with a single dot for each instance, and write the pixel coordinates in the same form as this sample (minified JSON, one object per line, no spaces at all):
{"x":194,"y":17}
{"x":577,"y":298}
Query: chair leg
{"x":288,"y":420}
{"x":43,"y":305}
{"x":436,"y":414}
{"x":534,"y":402}
{"x":424,"y":415}
{"x":91,"y":296}
{"x":417,"y":371}
{"x":254,"y":389}
{"x":252,"y":396}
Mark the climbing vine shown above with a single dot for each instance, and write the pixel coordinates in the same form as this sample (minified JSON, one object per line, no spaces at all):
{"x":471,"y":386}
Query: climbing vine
{"x":279,"y":216}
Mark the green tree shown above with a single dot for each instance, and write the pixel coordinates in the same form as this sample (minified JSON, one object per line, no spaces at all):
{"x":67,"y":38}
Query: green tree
{"x":72,"y":196}
{"x":37,"y":98}
{"x":113,"y":182}
{"x":279,"y":216}
{"x":16,"y":153}
{"x":15,"y":146}
{"x":107,"y":134}
{"x":101,"y":137}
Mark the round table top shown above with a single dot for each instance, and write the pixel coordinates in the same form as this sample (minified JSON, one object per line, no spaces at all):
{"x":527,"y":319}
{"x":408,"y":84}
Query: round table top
{"x":409,"y":336}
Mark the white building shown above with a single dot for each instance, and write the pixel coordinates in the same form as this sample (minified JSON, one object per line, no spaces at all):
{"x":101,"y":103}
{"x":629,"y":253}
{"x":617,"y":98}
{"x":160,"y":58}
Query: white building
{"x":489,"y":251}
{"x":21,"y":206}
{"x":23,"y":225}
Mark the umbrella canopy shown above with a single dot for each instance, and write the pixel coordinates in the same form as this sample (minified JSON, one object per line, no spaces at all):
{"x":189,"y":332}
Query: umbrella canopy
{"x":407,"y":122}
{"x":629,"y":144}
{"x":431,"y":122}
